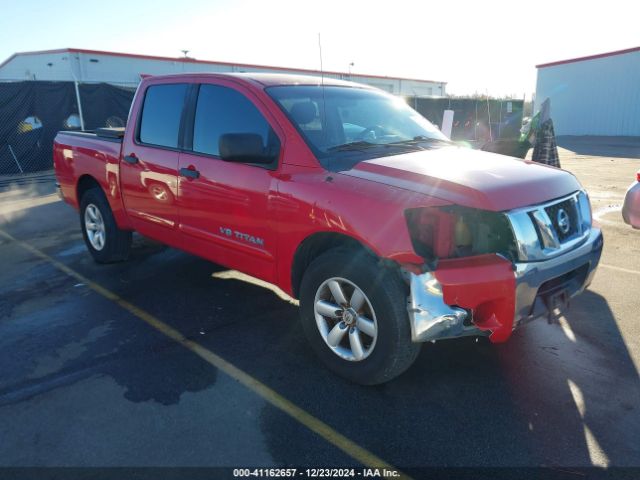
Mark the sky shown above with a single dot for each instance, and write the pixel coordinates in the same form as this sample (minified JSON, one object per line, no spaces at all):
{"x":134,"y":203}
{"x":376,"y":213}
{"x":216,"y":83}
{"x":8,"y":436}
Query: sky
{"x":487,"y":46}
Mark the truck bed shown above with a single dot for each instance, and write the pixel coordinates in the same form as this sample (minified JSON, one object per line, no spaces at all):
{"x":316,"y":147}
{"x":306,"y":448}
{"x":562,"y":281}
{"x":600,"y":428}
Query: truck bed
{"x":109,"y":134}
{"x":92,"y":153}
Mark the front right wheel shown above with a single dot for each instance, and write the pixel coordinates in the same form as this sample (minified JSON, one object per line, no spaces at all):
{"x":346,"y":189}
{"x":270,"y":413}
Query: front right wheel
{"x":354,"y":315}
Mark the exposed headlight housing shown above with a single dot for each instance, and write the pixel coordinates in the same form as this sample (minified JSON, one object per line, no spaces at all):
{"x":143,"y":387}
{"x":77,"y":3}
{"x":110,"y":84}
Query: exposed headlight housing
{"x":454,"y":231}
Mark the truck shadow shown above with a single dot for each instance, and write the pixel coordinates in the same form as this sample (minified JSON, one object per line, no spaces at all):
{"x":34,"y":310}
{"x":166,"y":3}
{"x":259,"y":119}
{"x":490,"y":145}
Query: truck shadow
{"x":579,"y":384}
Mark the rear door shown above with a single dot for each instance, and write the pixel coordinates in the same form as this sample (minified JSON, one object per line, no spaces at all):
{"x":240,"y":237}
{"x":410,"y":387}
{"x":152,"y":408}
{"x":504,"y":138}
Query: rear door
{"x":224,"y":206}
{"x":149,"y":168}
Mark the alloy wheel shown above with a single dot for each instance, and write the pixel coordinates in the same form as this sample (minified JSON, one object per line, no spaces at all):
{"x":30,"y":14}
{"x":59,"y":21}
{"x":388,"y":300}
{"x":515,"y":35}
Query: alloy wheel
{"x":94,"y":225}
{"x":345,"y":319}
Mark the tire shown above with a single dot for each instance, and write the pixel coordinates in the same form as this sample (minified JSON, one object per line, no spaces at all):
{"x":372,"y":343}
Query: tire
{"x":383,"y":356}
{"x":95,"y":211}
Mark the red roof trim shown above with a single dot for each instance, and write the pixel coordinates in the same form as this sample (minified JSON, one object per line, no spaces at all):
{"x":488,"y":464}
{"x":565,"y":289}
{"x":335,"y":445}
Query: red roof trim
{"x":210,"y":62}
{"x":36,"y":52}
{"x":590,"y":57}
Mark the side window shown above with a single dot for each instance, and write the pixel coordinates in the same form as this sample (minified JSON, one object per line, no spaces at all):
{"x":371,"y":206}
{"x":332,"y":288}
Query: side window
{"x":222,"y":110}
{"x":161,"y":113}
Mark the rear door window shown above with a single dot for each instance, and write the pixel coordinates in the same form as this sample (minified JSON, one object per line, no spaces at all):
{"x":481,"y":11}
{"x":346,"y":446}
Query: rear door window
{"x":161,"y":115}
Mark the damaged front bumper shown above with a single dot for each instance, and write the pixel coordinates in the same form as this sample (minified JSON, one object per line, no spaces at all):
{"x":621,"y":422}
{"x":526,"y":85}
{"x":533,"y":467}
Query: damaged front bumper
{"x":431,"y":318}
{"x":489,"y":295}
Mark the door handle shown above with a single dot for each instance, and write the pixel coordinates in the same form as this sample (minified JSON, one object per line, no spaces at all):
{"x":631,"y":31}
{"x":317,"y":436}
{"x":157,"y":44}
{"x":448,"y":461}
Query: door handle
{"x":130,"y":159}
{"x":189,"y":173}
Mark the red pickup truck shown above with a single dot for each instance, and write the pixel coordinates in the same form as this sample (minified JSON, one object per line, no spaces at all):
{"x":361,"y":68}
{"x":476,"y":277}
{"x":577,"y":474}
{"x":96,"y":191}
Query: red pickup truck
{"x":344,"y":197}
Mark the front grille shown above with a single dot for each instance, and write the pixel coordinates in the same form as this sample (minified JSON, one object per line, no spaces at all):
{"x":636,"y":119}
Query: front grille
{"x":570,"y":220}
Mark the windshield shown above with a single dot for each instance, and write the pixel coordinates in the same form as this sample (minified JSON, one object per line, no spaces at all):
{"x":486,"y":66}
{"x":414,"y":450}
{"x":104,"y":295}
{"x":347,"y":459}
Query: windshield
{"x":337,"y":119}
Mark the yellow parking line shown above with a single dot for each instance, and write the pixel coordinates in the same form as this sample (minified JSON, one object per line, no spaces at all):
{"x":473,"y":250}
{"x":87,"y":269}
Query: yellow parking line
{"x":314,"y":424}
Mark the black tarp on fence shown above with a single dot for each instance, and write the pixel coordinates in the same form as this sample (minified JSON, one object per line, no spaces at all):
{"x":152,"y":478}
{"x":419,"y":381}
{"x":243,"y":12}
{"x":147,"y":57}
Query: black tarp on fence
{"x":474,"y":119}
{"x":32,"y":112}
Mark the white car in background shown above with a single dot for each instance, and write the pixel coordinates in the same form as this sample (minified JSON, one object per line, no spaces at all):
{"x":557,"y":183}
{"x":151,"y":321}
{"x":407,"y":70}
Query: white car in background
{"x":631,"y":207}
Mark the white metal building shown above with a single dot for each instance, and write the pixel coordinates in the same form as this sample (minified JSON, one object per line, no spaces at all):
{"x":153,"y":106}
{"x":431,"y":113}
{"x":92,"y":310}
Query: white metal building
{"x":71,"y":64}
{"x":595,"y":95}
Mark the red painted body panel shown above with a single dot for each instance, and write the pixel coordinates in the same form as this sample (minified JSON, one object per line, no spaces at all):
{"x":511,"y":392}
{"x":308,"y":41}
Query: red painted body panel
{"x":486,"y":285}
{"x":75,"y":157}
{"x":311,"y":201}
{"x":213,"y":216}
{"x":227,"y":202}
{"x":470,"y":178}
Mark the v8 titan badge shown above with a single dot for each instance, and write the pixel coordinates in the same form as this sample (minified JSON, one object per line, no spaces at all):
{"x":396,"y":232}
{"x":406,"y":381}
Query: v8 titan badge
{"x":244,"y":237}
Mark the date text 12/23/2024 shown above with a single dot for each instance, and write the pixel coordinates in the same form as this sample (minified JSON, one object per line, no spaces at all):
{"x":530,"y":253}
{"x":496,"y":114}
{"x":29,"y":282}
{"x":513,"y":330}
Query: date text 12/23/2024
{"x":316,"y":472}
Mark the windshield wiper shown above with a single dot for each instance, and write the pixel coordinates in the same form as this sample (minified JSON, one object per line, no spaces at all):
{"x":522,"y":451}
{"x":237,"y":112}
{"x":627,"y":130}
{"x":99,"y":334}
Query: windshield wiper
{"x":359,"y":145}
{"x":362,"y":144}
{"x":422,"y":139}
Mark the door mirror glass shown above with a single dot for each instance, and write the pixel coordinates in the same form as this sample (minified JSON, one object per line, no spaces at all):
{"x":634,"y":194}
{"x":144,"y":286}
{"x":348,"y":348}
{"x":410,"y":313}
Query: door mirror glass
{"x":244,"y":148}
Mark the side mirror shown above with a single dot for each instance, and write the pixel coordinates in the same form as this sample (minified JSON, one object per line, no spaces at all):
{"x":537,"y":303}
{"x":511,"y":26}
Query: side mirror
{"x":244,"y":148}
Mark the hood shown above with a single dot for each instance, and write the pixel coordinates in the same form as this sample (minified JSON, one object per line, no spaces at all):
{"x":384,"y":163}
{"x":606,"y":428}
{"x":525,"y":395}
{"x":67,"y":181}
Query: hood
{"x":471,"y":178}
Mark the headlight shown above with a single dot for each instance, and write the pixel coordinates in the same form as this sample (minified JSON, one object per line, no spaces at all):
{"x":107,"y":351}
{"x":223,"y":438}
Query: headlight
{"x":453,"y":231}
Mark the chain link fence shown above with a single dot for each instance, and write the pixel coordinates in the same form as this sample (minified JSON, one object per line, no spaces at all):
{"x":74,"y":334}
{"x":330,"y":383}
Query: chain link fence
{"x":33,"y":112}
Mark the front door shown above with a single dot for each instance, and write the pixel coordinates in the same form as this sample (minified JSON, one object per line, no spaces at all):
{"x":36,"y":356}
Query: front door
{"x":224,"y":208}
{"x":149,"y":168}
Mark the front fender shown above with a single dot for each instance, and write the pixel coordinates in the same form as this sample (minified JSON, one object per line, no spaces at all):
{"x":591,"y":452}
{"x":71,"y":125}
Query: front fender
{"x":312,"y":201}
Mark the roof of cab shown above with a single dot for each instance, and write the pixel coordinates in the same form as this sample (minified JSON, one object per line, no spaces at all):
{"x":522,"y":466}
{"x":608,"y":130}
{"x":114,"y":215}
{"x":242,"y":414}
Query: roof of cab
{"x":270,"y":79}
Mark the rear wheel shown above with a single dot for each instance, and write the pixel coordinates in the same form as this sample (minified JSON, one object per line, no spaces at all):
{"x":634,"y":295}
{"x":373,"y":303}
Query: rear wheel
{"x":105,"y":241}
{"x":354,"y":314}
